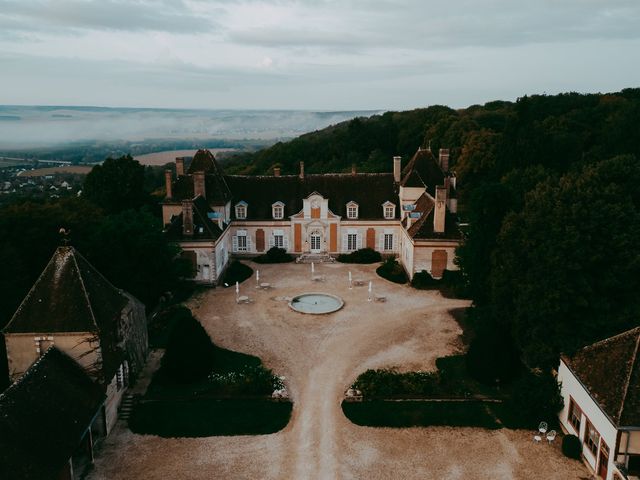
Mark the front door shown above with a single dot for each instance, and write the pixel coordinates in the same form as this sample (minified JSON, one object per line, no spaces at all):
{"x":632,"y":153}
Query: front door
{"x":315,"y":242}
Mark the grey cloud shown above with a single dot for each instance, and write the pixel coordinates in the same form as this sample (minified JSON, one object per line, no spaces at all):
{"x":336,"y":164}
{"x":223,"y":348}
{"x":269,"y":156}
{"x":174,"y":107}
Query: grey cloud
{"x":38,"y":15}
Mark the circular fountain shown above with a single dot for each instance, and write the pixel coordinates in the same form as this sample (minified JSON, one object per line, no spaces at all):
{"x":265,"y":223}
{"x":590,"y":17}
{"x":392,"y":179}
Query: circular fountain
{"x":316,"y":303}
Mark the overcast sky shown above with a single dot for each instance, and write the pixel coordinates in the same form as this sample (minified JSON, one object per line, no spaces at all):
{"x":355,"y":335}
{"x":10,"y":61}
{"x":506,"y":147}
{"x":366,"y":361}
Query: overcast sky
{"x":312,"y":54}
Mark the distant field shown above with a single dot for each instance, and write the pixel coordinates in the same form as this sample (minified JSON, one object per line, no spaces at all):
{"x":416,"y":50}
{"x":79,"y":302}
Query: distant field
{"x":39,"y":172}
{"x":162,"y":158}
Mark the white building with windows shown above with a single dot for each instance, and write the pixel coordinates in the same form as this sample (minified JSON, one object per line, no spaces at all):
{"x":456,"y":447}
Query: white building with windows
{"x":409,"y":213}
{"x":600,"y":385}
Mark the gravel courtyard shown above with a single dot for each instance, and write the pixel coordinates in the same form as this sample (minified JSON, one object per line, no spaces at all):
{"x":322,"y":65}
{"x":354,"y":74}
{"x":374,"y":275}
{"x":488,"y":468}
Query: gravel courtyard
{"x":320,"y":356}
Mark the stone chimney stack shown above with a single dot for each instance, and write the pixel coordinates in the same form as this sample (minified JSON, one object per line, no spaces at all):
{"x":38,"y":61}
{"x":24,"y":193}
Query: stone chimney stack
{"x":397,"y":161}
{"x":167,"y":183}
{"x":443,"y":159}
{"x":276,"y":171}
{"x":198,"y":185}
{"x":302,"y":170}
{"x":353,"y":169}
{"x":187,"y":217}
{"x":179,"y":166}
{"x":440,"y":209}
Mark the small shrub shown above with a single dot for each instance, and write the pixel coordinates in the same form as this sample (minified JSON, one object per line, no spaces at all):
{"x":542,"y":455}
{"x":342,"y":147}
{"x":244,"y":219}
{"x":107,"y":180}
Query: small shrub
{"x":424,"y":281}
{"x":572,"y":447}
{"x":189,"y":354}
{"x":391,"y":270}
{"x":274,"y":255}
{"x":364,"y":255}
{"x":236,"y":272}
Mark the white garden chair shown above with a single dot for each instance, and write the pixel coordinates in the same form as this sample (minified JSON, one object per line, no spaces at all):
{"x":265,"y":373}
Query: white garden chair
{"x":551,"y":436}
{"x":542,"y":428}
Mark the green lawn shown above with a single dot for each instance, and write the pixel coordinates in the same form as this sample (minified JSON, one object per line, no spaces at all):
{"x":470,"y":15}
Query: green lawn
{"x":384,"y":413}
{"x":205,"y":418}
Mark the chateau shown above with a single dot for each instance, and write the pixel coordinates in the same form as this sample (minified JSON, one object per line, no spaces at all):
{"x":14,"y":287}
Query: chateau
{"x":409,"y":213}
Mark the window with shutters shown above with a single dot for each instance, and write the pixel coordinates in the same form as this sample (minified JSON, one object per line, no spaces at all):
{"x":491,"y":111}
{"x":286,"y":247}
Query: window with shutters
{"x":352,"y":241}
{"x":388,"y":241}
{"x":278,"y":241}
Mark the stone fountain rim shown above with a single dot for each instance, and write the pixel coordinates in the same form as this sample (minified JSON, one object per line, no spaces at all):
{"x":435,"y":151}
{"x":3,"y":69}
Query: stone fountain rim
{"x":324,"y":294}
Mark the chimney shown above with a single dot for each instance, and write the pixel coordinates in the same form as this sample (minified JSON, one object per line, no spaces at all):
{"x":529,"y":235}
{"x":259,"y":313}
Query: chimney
{"x":276,"y":171}
{"x":353,"y":169}
{"x":167,"y":183}
{"x":443,"y":159}
{"x":302,"y":170}
{"x":440,"y":209}
{"x":179,"y":166}
{"x":396,"y":169}
{"x":198,"y":185}
{"x":187,"y":217}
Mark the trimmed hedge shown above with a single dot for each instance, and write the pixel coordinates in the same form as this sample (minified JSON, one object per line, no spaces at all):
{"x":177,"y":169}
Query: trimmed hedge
{"x":274,"y":255}
{"x":205,"y":417}
{"x":236,"y":272}
{"x":380,"y":413}
{"x":391,"y":270}
{"x":364,"y":255}
{"x":389,"y":383}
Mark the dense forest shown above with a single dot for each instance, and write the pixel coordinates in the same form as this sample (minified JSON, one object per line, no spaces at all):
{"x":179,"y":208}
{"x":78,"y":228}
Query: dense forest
{"x":548,"y":188}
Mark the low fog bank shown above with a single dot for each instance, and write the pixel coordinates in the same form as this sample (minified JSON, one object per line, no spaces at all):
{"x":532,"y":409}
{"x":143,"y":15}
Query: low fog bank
{"x":27,"y":126}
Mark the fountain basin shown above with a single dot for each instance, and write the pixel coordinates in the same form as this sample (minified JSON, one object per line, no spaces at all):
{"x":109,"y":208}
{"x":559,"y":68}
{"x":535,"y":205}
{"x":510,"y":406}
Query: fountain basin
{"x":316,"y":303}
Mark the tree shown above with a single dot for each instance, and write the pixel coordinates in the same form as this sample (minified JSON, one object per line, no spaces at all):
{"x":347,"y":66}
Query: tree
{"x":566,"y":269}
{"x":189,"y":354}
{"x":116,"y":185}
{"x":130,"y":249}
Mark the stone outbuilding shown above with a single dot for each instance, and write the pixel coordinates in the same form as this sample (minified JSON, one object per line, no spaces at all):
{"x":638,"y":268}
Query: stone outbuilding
{"x":75,"y":308}
{"x":50,"y":421}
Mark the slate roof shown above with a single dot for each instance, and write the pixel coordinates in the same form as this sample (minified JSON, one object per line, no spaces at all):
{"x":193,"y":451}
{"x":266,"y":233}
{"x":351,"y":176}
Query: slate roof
{"x":610,"y":371}
{"x":201,"y":220}
{"x":72,"y":296}
{"x":422,"y":170}
{"x":43,"y":417}
{"x":368,"y":190}
{"x":216,"y":188}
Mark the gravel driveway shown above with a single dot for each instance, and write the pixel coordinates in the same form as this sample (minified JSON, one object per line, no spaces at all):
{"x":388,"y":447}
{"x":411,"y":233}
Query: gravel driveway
{"x":320,"y":356}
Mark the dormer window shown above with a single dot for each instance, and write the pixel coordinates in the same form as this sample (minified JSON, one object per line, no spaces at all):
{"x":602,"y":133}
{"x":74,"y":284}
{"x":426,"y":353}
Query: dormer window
{"x":352,"y":210}
{"x":277,"y":210}
{"x":241,"y":210}
{"x":389,"y":210}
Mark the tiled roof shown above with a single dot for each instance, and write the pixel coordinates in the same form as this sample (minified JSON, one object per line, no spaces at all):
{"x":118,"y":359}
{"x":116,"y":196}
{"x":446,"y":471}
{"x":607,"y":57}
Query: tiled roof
{"x":609,"y":370}
{"x":368,"y":190}
{"x":201,"y":221}
{"x":429,"y":172}
{"x":43,"y":416}
{"x":72,"y":296}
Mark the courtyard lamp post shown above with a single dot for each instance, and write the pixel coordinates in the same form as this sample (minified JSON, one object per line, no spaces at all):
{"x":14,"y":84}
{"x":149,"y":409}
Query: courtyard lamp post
{"x":313,"y":269}
{"x":237,"y":291}
{"x":370,"y":287}
{"x":257,"y":278}
{"x":350,"y":283}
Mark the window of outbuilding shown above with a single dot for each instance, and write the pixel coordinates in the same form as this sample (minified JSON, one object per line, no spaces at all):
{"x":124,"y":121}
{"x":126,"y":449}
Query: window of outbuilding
{"x":575,"y":416}
{"x":591,"y":438}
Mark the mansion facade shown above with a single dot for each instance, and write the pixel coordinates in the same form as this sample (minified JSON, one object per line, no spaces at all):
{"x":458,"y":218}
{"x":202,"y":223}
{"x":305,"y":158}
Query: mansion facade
{"x":410,"y":213}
